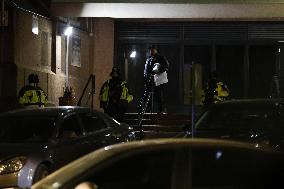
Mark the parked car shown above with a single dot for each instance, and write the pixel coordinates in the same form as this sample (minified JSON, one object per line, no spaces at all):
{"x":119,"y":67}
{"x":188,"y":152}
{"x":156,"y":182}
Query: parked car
{"x":260,"y":121}
{"x":36,"y":141}
{"x":173,"y":164}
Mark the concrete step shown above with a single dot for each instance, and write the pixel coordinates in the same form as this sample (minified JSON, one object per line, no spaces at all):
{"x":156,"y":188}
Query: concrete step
{"x":159,"y":116}
{"x":158,"y":119}
{"x":161,"y":128}
{"x":158,"y":122}
{"x":161,"y":134}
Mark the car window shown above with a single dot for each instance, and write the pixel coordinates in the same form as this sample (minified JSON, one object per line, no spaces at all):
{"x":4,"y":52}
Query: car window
{"x":70,"y":128}
{"x":92,"y":122}
{"x":26,"y":128}
{"x":237,"y":118}
{"x":139,"y":172}
{"x":200,"y":168}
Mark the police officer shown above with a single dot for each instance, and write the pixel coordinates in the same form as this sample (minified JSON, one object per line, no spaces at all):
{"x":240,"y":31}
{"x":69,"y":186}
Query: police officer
{"x":156,"y":66}
{"x":115,"y":96}
{"x":32,"y":94}
{"x":215,"y":91}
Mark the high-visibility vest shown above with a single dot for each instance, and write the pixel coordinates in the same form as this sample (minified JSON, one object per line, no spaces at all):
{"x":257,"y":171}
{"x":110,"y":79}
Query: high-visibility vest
{"x":104,"y":96}
{"x":125,"y":93}
{"x":33,"y":97}
{"x":222,"y":90}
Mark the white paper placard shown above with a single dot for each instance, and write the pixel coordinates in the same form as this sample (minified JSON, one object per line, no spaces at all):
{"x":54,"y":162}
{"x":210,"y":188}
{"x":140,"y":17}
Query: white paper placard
{"x":160,"y":78}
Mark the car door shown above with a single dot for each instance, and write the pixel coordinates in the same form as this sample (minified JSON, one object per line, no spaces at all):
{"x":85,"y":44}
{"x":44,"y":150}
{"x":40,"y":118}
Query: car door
{"x":70,"y":140}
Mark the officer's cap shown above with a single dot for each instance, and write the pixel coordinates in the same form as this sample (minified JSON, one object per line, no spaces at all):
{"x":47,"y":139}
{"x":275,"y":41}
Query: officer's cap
{"x":152,"y":47}
{"x":114,"y":70}
{"x":33,"y":78}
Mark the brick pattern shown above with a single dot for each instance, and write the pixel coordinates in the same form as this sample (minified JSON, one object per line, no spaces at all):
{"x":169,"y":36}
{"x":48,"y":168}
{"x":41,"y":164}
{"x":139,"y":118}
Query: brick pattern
{"x":28,"y":58}
{"x":103,"y":52}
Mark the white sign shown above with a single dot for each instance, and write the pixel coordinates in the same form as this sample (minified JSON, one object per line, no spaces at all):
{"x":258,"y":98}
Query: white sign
{"x":160,"y":78}
{"x":76,"y":51}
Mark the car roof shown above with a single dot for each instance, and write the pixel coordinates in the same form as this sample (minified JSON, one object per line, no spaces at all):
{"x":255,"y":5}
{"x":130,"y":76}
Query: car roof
{"x":55,"y":180}
{"x":260,"y":101}
{"x":51,"y":111}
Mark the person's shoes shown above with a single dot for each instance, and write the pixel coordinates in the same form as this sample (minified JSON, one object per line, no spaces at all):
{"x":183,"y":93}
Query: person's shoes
{"x":162,"y":112}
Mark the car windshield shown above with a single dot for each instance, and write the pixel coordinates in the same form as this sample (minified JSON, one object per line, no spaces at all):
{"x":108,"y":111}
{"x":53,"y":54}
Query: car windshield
{"x":26,"y":128}
{"x":238,"y":117}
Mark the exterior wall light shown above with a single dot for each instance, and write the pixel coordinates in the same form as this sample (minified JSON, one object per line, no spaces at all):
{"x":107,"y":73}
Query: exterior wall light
{"x":68,"y":31}
{"x":35,"y":25}
{"x":133,"y":54}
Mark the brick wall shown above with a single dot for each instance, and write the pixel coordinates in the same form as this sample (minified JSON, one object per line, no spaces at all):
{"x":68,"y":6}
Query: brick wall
{"x":103,"y":52}
{"x":33,"y":55}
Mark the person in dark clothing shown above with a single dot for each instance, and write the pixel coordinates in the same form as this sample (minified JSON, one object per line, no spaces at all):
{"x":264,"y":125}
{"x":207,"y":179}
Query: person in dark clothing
{"x":32,"y":94}
{"x":274,"y":87}
{"x":215,"y":91}
{"x":210,"y":89}
{"x":155,"y":78}
{"x":115,"y":96}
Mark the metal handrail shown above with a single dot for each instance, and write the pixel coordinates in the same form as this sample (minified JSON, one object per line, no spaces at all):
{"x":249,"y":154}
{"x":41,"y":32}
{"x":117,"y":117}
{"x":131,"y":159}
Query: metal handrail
{"x":91,"y":79}
{"x":144,"y":108}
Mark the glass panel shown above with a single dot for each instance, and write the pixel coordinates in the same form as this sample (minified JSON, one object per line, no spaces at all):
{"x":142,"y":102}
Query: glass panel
{"x":201,"y":56}
{"x":92,"y":122}
{"x":200,"y":167}
{"x":26,"y":128}
{"x":245,"y":117}
{"x":70,"y":128}
{"x":262,"y":66}
{"x":132,"y":70}
{"x":230,"y":68}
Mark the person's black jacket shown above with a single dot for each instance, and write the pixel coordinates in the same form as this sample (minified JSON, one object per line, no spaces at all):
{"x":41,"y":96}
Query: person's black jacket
{"x":149,"y":65}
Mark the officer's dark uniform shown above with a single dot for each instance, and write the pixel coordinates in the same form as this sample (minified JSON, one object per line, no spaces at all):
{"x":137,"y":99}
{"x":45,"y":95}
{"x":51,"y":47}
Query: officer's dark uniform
{"x":149,"y":81}
{"x":216,"y":91}
{"x":32,"y":94}
{"x":115,"y":96}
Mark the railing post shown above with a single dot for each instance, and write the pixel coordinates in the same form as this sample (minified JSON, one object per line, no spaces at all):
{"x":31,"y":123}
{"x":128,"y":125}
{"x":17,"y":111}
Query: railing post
{"x":93,"y":90}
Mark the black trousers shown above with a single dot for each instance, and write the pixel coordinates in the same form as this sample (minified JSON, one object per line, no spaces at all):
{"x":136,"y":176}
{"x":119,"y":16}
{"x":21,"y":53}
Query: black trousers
{"x":117,"y":109}
{"x":159,"y":97}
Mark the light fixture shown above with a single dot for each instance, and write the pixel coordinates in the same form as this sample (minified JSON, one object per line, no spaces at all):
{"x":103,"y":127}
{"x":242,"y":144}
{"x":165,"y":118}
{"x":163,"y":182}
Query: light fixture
{"x":133,"y":54}
{"x":35,"y":31}
{"x":35,"y":25}
{"x":68,"y":31}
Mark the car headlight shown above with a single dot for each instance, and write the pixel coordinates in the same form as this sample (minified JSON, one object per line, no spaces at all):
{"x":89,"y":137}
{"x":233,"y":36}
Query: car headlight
{"x":12,"y":165}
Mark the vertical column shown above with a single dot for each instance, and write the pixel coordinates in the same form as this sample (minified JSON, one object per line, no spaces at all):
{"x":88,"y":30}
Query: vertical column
{"x":103,"y":52}
{"x":281,"y":69}
{"x":213,"y":62}
{"x":53,"y":45}
{"x":246,"y":71}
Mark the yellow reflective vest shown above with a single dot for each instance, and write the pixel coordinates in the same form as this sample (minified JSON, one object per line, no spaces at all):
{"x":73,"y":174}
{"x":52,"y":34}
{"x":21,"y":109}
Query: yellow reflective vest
{"x":125,"y":95}
{"x":32,"y":95}
{"x":222,"y":92}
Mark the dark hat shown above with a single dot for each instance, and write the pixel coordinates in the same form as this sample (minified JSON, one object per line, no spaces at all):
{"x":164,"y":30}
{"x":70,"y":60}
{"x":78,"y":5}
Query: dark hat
{"x":152,"y":47}
{"x":114,"y":70}
{"x":33,"y":78}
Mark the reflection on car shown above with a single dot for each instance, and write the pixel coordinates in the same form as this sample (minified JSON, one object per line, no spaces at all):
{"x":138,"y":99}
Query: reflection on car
{"x":37,"y":141}
{"x":173,"y":164}
{"x":259,"y":121}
